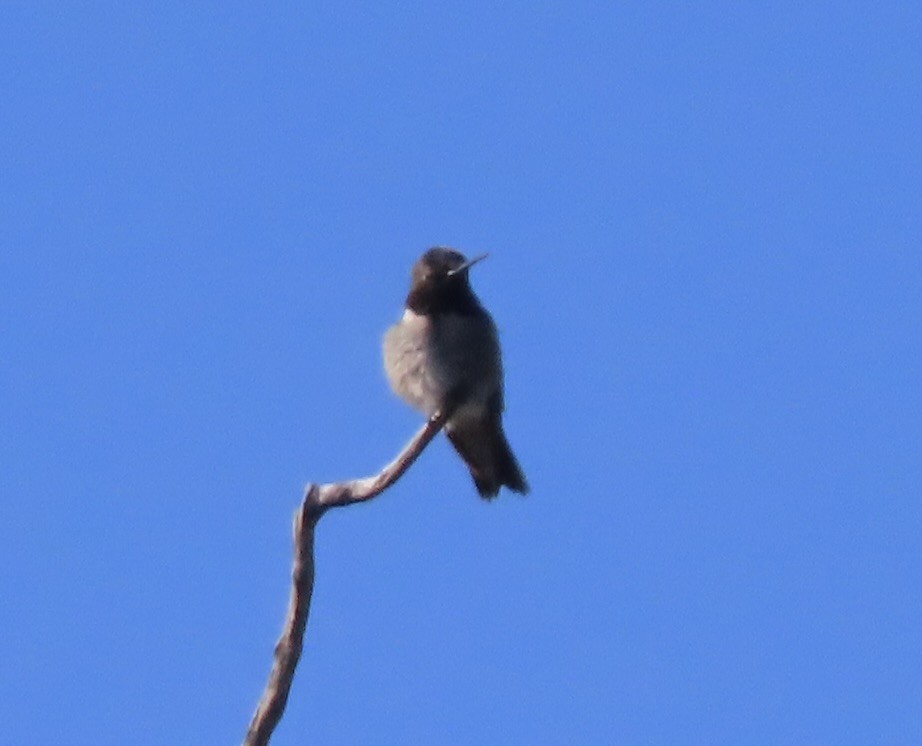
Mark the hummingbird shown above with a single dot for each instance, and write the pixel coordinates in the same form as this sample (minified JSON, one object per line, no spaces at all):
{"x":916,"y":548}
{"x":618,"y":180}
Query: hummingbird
{"x":444,"y":354}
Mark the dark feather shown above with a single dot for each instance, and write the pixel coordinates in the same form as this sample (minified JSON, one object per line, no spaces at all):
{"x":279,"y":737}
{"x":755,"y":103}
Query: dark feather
{"x":487,"y":454}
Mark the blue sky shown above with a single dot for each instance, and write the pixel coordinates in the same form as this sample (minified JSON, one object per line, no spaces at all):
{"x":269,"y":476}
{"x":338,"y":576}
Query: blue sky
{"x":704,"y":235}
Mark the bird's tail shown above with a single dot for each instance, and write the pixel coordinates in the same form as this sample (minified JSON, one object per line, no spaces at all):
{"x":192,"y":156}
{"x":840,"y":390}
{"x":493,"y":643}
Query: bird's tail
{"x":487,"y":454}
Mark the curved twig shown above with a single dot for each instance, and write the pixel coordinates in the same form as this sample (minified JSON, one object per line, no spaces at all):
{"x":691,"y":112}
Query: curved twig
{"x":317,"y":500}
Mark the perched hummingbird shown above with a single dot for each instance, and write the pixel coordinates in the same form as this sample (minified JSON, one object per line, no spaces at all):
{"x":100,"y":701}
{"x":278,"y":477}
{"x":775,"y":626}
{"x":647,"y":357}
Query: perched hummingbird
{"x":444,"y":352}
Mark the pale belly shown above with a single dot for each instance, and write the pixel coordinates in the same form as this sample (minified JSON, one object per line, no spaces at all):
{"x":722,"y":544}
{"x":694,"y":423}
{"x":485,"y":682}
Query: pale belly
{"x":410,"y":370}
{"x":424,"y":377}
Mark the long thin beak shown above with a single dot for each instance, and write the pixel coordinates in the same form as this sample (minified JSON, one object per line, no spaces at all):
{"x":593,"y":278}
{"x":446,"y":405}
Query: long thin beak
{"x":467,"y":265}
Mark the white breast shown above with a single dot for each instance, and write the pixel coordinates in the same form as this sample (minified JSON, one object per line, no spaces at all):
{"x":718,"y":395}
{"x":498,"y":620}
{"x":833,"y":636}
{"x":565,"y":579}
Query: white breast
{"x":425,"y":362}
{"x":407,"y":364}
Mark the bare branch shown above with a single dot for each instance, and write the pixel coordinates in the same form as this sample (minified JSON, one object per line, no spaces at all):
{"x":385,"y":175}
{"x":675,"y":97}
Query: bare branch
{"x":317,"y":500}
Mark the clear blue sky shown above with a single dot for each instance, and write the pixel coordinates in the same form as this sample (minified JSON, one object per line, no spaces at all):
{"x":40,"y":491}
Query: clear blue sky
{"x":706,"y":265}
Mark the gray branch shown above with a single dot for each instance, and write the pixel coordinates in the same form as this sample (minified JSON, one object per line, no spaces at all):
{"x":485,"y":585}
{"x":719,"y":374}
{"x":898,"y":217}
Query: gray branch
{"x":317,"y":500}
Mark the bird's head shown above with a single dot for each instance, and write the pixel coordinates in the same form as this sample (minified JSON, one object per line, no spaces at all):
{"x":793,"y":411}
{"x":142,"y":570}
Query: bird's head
{"x":439,"y":283}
